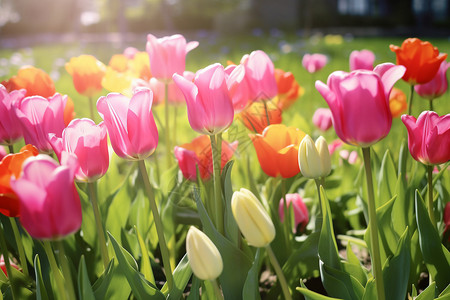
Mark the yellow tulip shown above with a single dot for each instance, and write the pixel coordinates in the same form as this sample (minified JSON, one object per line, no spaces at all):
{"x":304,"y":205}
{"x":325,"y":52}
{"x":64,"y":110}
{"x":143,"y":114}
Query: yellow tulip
{"x":314,"y":159}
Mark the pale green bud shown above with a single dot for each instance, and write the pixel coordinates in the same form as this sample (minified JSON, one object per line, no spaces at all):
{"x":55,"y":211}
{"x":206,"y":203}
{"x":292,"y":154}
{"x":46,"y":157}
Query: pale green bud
{"x":314,"y":159}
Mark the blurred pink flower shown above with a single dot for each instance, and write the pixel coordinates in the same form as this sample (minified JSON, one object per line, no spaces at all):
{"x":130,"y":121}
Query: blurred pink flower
{"x":130,"y":123}
{"x":3,"y":152}
{"x":362,"y":60}
{"x":334,"y":145}
{"x":300,"y":210}
{"x":314,"y":62}
{"x":322,"y":119}
{"x":10,"y":130}
{"x":351,"y":157}
{"x":130,"y":52}
{"x":437,"y":86}
{"x":3,"y":266}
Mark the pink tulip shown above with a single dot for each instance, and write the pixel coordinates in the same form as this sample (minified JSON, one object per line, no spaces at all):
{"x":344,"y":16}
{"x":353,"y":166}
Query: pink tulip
{"x":314,"y":62}
{"x":39,"y":117}
{"x":322,"y":119}
{"x":351,"y":157}
{"x":89,"y":143}
{"x":3,"y":265}
{"x":300,"y":210}
{"x":209,"y":107}
{"x":50,"y":207}
{"x":10,"y":130}
{"x":260,"y":75}
{"x":130,"y":52}
{"x":437,"y":86}
{"x":429,"y":137}
{"x":359,"y":102}
{"x":130,"y":123}
{"x":334,"y":145}
{"x":362,"y":60}
{"x":238,"y":87}
{"x":168,"y":55}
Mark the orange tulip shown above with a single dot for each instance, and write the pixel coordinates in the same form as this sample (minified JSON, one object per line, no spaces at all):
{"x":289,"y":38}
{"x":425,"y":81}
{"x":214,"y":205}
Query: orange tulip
{"x":87,"y":74}
{"x":255,"y":116}
{"x":288,"y":89}
{"x":421,"y":59}
{"x":397,"y":102}
{"x":11,"y":165}
{"x":277,"y":150}
{"x":119,"y":62}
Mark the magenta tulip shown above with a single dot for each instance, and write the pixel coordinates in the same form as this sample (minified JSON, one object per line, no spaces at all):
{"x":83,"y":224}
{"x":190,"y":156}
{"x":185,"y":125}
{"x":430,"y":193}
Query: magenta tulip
{"x":168,"y":55}
{"x":10,"y":129}
{"x":89,"y":143}
{"x":209,"y":106}
{"x":359,"y":102}
{"x":130,"y":123}
{"x":50,"y":207}
{"x":39,"y":117}
{"x":238,"y":87}
{"x":437,"y":86}
{"x":322,"y":119}
{"x":362,"y":60}
{"x":260,"y":75}
{"x":300,"y":210}
{"x":428,"y":137}
{"x":314,"y":62}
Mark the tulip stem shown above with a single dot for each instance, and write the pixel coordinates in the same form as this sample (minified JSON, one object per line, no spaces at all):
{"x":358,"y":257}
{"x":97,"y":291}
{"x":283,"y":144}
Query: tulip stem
{"x":287,"y":217}
{"x":376,"y":258}
{"x":217,"y":291}
{"x":431,"y":104}
{"x":63,"y":260}
{"x":216,"y":156}
{"x":158,"y":224}
{"x":98,"y":223}
{"x":91,"y":108}
{"x":266,"y":109}
{"x":279,"y":272}
{"x":167,"y":126}
{"x":11,"y":149}
{"x":4,"y":251}
{"x":18,"y":238}
{"x":430,"y":195}
{"x":56,"y":271}
{"x":319,"y":217}
{"x":411,"y":97}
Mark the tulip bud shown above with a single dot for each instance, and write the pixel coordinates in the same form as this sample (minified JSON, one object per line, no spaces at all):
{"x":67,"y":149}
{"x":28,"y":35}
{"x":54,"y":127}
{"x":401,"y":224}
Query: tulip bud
{"x":252,"y":219}
{"x":204,"y":258}
{"x":314,"y":159}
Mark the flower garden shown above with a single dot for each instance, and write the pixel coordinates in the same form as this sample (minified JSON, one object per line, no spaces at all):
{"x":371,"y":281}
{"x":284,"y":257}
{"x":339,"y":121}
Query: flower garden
{"x":272,"y":167}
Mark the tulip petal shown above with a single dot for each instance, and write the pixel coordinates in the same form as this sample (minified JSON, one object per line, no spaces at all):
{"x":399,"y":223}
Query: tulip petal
{"x":389,"y":74}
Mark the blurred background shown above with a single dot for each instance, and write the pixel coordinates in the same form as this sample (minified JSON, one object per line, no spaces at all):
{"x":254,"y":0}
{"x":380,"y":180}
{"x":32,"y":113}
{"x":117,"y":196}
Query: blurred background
{"x":24,"y":22}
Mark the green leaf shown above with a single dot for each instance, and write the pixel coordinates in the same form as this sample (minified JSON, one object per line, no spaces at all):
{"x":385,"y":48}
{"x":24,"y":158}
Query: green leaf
{"x":428,"y":293}
{"x":303,"y":262}
{"x":141,"y":288}
{"x":84,"y":286}
{"x":370,"y":292}
{"x":353,"y":267}
{"x":435,"y":255}
{"x":235,"y":263}
{"x":181,"y":276}
{"x":41,"y":291}
{"x":112,"y":283}
{"x":146,"y":267}
{"x":310,"y":295}
{"x":445,"y":292}
{"x":231,"y":228}
{"x":194,"y":293}
{"x":340,"y":284}
{"x":387,"y":179}
{"x":251,"y":286}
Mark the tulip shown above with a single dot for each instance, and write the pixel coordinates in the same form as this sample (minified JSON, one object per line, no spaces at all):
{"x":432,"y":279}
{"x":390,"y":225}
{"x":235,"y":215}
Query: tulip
{"x":362,"y":60}
{"x":259,"y":115}
{"x":88,"y":142}
{"x":314,"y":159}
{"x":87,"y":74}
{"x":252,"y":219}
{"x":238,"y":87}
{"x":359,"y":102}
{"x":428,"y":137}
{"x":300,"y":210}
{"x":168,"y":55}
{"x":397,"y":102}
{"x":2,"y":152}
{"x":288,"y":89}
{"x":3,"y":265}
{"x":437,"y":86}
{"x":130,"y":52}
{"x":139,"y":65}
{"x":259,"y":72}
{"x":197,"y":154}
{"x":10,"y":130}
{"x":322,"y":119}
{"x":130,"y":123}
{"x":50,"y":207}
{"x":209,"y":105}
{"x":334,"y":146}
{"x":117,"y":82}
{"x":421,"y":59}
{"x":118,"y":62}
{"x":40,"y":117}
{"x":351,"y":157}
{"x":314,"y":62}
{"x":204,"y":257}
{"x":277,"y":150}
{"x":11,"y":166}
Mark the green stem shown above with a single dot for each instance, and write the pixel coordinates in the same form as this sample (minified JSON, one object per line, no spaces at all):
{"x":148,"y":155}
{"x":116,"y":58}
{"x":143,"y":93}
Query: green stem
{"x":431,"y":104}
{"x":430,"y":195}
{"x":376,"y":258}
{"x":98,"y":223}
{"x":167,"y":126}
{"x":287,"y":219}
{"x":217,"y":156}
{"x":4,"y":251}
{"x":217,"y":291}
{"x":91,"y":108}
{"x":266,"y":109}
{"x":54,"y":266}
{"x":11,"y":149}
{"x":411,"y":97}
{"x":158,"y":224}
{"x":279,"y":272}
{"x":66,"y":269}
{"x":319,"y":217}
{"x":18,"y":238}
{"x":251,"y":124}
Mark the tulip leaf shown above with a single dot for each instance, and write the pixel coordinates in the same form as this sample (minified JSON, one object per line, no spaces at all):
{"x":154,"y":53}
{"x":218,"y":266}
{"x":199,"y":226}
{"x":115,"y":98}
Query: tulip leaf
{"x":231,"y":228}
{"x":41,"y":291}
{"x":235,"y":263}
{"x":146,"y":267}
{"x":445,"y":292}
{"x":194,"y":292}
{"x":387,"y":178}
{"x":181,"y":276}
{"x":88,"y":225}
{"x":428,"y":293}
{"x":111,"y":283}
{"x":251,"y":285}
{"x":141,"y":288}
{"x":339,"y":283}
{"x":84,"y":286}
{"x":435,"y":255}
{"x":303,"y":261}
{"x":370,"y":291}
{"x":311,"y":295}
